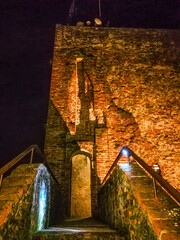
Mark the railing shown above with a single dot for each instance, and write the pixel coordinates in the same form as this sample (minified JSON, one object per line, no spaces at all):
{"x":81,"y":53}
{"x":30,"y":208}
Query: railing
{"x":18,"y":158}
{"x":156,"y":177}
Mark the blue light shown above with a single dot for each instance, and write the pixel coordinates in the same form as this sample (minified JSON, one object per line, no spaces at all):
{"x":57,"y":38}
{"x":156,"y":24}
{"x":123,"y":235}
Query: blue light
{"x":42,"y":205}
{"x":41,"y":200}
{"x":125,"y":152}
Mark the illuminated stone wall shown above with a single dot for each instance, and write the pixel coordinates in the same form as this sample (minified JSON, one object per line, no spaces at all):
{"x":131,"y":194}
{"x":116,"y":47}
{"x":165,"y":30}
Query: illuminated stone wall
{"x":130,"y":78}
{"x":127,"y":203}
{"x":21,"y":209}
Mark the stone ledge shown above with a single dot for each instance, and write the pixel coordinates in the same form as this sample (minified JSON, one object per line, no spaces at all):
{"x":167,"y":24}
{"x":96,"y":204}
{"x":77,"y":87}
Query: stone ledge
{"x":169,"y":236}
{"x":13,"y":188}
{"x":163,"y":213}
{"x":127,"y":202}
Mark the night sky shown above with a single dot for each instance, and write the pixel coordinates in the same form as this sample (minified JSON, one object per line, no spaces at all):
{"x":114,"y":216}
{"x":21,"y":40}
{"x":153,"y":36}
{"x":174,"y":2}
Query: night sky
{"x":26,"y":49}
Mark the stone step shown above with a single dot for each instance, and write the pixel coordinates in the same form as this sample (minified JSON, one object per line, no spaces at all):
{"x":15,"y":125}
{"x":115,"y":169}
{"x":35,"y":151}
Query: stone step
{"x":78,"y":228}
{"x":82,"y":222}
{"x":72,"y":234}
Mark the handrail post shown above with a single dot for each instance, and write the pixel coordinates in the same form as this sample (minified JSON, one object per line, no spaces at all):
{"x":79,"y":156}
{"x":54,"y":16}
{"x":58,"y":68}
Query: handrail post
{"x":1,"y":179}
{"x":155,"y":189}
{"x":32,"y":152}
{"x":128,"y":159}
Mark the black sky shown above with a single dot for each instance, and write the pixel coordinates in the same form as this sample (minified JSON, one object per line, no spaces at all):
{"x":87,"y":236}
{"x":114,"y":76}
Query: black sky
{"x":26,"y":49}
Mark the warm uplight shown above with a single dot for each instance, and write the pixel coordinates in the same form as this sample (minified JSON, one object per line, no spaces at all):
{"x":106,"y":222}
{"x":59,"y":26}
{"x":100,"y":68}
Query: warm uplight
{"x":79,"y":59}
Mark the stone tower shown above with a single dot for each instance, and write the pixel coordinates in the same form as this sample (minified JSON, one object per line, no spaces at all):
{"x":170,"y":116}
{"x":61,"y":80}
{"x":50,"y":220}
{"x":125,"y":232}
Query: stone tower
{"x":109,"y":88}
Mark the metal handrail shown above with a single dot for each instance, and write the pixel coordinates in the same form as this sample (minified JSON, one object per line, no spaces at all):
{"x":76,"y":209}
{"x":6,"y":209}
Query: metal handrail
{"x":156,"y":177}
{"x":19,"y":157}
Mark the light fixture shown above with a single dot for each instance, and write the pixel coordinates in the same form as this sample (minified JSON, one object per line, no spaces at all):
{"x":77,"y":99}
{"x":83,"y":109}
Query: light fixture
{"x":80,"y":24}
{"x":97,"y":22}
{"x":126,"y":153}
{"x":156,"y":168}
{"x":88,"y":23}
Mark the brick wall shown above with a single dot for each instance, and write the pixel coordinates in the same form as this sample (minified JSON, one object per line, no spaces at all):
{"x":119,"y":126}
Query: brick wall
{"x":131,"y":79}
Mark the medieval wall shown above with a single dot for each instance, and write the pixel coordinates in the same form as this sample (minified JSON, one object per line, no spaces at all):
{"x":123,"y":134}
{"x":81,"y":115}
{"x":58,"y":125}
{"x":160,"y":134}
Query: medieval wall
{"x":127,"y":202}
{"x":131,"y":80}
{"x":22,"y":211}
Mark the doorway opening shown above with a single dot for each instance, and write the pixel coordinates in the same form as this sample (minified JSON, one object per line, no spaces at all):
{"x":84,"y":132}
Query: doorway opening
{"x":81,"y":186}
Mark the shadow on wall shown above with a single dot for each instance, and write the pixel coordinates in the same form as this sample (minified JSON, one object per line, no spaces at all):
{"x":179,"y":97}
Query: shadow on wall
{"x":60,"y":145}
{"x":56,"y":150}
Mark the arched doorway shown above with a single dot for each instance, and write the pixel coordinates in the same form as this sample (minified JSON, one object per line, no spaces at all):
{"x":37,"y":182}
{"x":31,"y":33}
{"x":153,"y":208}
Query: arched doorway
{"x":81,"y":186}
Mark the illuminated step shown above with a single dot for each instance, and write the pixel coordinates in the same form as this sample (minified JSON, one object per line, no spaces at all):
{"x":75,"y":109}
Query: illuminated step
{"x":79,"y":229}
{"x":67,"y":233}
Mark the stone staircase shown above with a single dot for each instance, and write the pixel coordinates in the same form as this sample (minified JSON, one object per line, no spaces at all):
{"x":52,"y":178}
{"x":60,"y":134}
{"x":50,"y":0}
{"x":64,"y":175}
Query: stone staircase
{"x":79,"y":228}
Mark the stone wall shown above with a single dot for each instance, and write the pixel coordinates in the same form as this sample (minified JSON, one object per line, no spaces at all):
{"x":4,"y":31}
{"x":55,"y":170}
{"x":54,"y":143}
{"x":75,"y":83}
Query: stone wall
{"x":60,"y":147}
{"x":130,"y":81}
{"x":127,"y":202}
{"x":20,"y":204}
